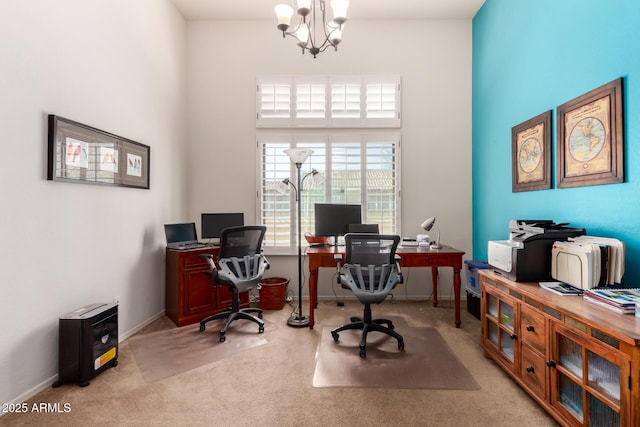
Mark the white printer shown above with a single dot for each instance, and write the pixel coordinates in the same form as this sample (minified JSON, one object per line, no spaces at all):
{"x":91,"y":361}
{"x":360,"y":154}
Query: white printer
{"x":526,"y":256}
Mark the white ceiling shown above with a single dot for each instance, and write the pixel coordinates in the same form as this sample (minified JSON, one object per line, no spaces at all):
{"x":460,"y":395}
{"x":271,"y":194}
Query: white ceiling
{"x":359,"y":9}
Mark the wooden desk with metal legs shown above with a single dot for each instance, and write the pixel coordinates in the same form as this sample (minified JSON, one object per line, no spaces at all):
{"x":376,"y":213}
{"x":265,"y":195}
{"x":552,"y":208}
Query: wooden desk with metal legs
{"x":409,"y":257}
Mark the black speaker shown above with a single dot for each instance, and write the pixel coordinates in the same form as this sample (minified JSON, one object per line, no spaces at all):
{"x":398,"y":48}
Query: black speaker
{"x":87,"y":343}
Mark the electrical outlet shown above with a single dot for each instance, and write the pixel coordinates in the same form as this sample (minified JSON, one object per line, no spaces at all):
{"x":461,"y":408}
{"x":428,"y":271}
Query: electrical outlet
{"x":116,"y":300}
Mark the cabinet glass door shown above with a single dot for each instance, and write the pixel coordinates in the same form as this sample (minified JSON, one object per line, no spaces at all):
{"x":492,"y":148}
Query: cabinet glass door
{"x":588,"y":381}
{"x":500,"y":325}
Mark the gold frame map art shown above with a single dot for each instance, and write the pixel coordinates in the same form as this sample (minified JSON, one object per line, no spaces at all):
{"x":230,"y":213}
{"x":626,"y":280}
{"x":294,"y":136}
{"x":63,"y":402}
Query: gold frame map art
{"x":531,"y":154}
{"x":591,"y":138}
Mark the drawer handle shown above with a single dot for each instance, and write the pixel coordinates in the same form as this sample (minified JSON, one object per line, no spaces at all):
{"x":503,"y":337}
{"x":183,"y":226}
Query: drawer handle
{"x":530,"y":328}
{"x":513,"y":337}
{"x":551,"y":364}
{"x":530,"y":369}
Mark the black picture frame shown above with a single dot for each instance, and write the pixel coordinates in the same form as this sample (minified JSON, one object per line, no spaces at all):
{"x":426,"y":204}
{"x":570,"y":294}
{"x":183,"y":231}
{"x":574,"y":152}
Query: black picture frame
{"x":83,"y":154}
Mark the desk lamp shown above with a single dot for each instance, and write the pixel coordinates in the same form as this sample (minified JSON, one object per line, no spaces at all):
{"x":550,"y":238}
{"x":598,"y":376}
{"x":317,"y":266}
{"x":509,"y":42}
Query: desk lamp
{"x":428,"y":225}
{"x":298,"y":156}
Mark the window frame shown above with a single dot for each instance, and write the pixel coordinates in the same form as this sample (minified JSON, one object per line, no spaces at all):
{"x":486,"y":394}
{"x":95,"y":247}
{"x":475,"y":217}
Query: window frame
{"x":328,"y":139}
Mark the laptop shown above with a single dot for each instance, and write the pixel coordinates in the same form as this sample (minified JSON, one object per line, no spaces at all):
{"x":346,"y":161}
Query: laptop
{"x":182,"y":236}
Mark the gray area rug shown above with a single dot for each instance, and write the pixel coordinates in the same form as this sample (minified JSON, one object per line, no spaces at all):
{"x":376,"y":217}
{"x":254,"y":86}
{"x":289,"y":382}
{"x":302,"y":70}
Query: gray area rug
{"x":427,"y":362}
{"x":166,"y":353}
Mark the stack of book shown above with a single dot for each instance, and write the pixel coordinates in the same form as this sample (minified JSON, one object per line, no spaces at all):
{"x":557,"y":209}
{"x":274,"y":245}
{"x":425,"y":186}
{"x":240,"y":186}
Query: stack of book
{"x":619,"y":300}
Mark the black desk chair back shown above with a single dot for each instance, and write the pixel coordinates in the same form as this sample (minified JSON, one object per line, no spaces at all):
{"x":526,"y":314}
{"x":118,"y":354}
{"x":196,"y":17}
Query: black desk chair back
{"x":371,"y":270}
{"x":241,"y":265}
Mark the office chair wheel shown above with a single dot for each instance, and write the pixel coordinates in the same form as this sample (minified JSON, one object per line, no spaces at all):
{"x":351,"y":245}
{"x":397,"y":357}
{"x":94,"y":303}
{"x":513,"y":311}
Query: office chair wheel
{"x":260,"y":329}
{"x":222,"y":337}
{"x":259,"y":315}
{"x":335,"y":336}
{"x":400,"y":345}
{"x":363,"y":352}
{"x":201,"y":327}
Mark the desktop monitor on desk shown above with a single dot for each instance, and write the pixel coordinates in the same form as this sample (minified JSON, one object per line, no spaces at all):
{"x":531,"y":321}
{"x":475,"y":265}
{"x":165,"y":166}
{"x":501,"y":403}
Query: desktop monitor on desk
{"x":213,"y":223}
{"x":333,"y":220}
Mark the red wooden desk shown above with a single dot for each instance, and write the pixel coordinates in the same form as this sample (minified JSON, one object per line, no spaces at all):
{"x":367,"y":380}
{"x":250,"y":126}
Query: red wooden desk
{"x":409,"y":257}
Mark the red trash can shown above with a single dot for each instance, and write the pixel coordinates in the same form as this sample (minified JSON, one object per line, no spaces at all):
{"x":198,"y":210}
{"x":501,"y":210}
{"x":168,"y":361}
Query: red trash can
{"x":273,"y":293}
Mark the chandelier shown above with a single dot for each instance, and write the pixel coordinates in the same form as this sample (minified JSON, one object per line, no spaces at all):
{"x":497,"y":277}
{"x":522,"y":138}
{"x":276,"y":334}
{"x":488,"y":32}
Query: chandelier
{"x":311,"y":34}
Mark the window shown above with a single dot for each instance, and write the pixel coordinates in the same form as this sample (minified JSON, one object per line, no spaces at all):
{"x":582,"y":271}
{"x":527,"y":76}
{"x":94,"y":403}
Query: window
{"x":328,"y":101}
{"x":359,"y":169}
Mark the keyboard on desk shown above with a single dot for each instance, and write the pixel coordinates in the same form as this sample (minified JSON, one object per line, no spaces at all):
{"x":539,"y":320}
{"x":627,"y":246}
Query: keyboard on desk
{"x":187,"y":246}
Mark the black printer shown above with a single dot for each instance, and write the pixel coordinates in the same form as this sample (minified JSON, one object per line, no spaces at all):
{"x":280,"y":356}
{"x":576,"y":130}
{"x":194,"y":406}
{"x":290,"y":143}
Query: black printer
{"x":526,"y":256}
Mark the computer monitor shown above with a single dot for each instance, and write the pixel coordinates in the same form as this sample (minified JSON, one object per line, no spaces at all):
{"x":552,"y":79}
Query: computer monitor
{"x":184,"y":232}
{"x":213,"y":223}
{"x":333,"y":219}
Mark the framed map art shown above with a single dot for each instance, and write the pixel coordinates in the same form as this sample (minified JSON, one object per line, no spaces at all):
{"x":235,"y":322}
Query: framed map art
{"x":80,"y":153}
{"x":590,"y":138}
{"x":531,"y":154}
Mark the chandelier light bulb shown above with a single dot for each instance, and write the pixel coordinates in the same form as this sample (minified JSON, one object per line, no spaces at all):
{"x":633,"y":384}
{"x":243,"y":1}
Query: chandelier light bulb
{"x":302,"y":34}
{"x":340,"y":10}
{"x":334,"y":33}
{"x":284,"y":13}
{"x":304,"y":7}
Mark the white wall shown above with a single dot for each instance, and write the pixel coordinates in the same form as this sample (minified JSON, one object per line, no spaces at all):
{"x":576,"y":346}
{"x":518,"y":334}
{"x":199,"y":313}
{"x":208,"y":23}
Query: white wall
{"x":118,"y":65}
{"x":432,"y":57}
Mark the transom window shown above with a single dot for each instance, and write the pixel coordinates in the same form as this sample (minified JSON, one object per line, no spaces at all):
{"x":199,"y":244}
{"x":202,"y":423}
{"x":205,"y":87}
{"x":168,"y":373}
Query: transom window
{"x":328,"y":101}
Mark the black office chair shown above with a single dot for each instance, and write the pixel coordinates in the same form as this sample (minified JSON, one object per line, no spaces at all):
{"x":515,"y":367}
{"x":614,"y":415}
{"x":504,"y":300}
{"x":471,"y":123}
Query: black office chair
{"x":364,"y":228}
{"x":241,"y":265}
{"x":371,"y":270}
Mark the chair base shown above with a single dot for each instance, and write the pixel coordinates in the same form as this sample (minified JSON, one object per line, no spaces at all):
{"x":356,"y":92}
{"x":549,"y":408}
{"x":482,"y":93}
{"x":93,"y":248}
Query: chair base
{"x":231,"y":315}
{"x":367,"y":325}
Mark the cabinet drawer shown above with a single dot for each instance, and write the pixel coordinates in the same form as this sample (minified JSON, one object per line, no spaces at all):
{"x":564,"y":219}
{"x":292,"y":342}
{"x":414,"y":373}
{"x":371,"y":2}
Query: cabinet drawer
{"x":532,"y":371}
{"x":533,"y":329}
{"x":192,"y":259}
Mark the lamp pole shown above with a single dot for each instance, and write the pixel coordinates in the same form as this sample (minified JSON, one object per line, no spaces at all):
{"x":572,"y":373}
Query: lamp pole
{"x":298,"y":156}
{"x":300,"y":320}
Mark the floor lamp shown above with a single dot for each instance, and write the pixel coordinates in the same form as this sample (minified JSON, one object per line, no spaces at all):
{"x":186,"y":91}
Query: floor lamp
{"x":298,"y":156}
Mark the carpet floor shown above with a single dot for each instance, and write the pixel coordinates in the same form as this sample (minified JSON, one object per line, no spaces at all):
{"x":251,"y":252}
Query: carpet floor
{"x":271,"y":384}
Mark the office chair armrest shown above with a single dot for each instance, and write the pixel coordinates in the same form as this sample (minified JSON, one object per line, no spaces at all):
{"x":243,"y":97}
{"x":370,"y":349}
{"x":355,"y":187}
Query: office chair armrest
{"x":338,"y":259}
{"x":397,"y":258}
{"x":213,"y":270}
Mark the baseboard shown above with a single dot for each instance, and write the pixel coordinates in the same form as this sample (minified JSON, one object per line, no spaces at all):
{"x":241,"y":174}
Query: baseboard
{"x":137,"y":328}
{"x":50,"y":380}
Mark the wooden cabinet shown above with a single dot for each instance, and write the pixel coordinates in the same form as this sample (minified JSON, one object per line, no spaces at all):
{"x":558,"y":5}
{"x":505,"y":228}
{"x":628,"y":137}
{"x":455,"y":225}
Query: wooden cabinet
{"x":579,"y":361}
{"x":190,"y":295}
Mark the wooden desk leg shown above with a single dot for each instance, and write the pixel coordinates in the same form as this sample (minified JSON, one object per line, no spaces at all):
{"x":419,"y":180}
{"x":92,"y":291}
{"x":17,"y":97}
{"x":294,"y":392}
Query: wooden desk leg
{"x":456,"y":293}
{"x":313,"y":295}
{"x":434,"y":280}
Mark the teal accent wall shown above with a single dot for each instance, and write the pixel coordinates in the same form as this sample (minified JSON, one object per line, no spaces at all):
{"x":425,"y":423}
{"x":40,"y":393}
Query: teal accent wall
{"x":530,"y":56}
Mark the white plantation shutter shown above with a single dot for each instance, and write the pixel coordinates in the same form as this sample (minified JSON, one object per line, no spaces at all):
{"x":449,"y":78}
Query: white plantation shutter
{"x":359,"y":169}
{"x":328,"y":101}
{"x":310,"y":102}
{"x":346,"y":102}
{"x":383,"y":100}
{"x":273,"y":102}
